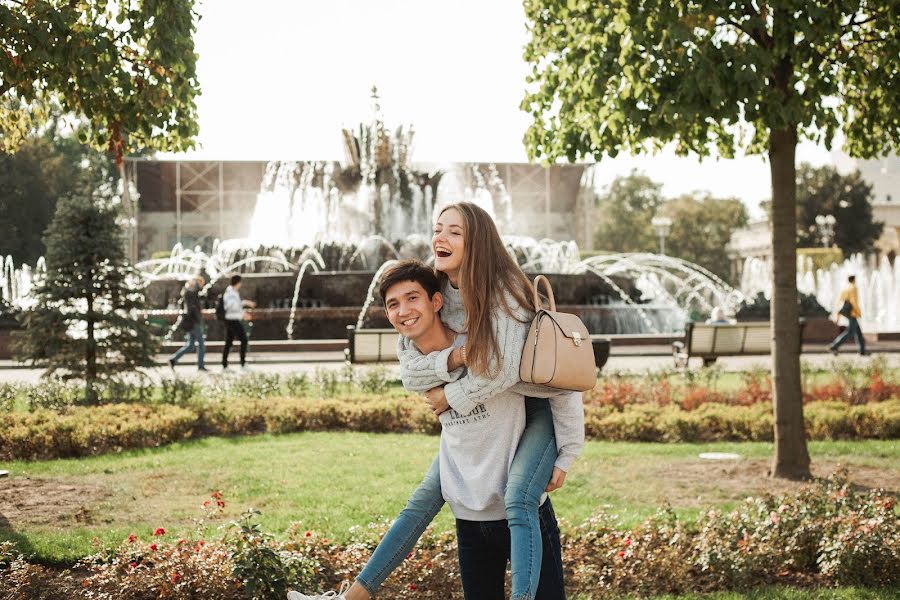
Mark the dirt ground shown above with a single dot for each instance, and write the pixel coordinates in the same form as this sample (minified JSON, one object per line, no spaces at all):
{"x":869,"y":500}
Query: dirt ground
{"x":701,"y":483}
{"x":696,"y":483}
{"x":47,"y":502}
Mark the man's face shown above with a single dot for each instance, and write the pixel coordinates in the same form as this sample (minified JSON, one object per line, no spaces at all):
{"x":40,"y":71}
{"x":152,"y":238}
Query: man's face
{"x":410,"y":310}
{"x":237,"y":286}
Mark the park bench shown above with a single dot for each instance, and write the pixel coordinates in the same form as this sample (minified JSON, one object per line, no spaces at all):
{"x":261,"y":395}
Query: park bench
{"x":709,"y":341}
{"x":380,"y":345}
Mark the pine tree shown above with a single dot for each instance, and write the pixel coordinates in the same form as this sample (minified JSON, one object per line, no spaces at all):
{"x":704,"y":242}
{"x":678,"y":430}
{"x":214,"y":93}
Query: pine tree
{"x":84,"y":324}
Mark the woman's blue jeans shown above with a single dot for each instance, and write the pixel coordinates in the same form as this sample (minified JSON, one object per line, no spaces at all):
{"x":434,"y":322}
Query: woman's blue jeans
{"x":529,"y":474}
{"x":194,"y":336}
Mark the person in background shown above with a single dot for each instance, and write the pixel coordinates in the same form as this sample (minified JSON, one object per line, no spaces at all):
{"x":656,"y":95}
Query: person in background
{"x":192,"y":322}
{"x":234,"y":317}
{"x":717,"y":317}
{"x":848,"y":307}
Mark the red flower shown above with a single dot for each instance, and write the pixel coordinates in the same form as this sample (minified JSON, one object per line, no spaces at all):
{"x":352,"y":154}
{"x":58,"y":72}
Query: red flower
{"x":131,"y":538}
{"x":309,"y":534}
{"x":409,"y":555}
{"x":132,"y":565}
{"x":175,"y":577}
{"x":621,"y":554}
{"x":153,"y":547}
{"x":202,"y":543}
{"x":413,"y":587}
{"x":324,"y":540}
{"x":627,"y":541}
{"x":159,"y":531}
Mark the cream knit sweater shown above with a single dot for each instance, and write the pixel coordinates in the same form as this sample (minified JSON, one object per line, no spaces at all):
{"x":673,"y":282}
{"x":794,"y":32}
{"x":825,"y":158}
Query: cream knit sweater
{"x":465,"y":390}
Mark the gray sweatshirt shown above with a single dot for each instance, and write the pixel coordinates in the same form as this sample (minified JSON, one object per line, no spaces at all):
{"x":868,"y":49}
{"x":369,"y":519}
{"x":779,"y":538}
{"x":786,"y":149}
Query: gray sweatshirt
{"x":465,"y":390}
{"x":477,"y":450}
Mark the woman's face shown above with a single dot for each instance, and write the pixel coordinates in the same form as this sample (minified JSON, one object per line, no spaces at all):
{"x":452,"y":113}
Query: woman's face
{"x":448,"y":243}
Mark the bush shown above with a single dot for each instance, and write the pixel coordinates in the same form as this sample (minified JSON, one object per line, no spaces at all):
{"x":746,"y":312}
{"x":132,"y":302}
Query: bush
{"x":827,"y":534}
{"x":83,"y":431}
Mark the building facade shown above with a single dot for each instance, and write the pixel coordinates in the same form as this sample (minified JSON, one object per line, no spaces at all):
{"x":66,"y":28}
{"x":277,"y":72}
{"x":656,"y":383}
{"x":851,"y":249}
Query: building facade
{"x":194,"y":203}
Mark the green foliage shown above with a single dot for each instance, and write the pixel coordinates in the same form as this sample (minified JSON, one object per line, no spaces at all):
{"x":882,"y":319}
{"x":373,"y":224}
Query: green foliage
{"x":84,"y":324}
{"x":821,"y":258}
{"x":128,"y":67}
{"x":826,"y":534}
{"x":624,"y":212}
{"x":625,"y":76}
{"x":700,"y":416}
{"x":264,"y":569}
{"x":760,"y":307}
{"x":701,"y":229}
{"x":701,"y":225}
{"x":374,"y":381}
{"x":46,"y":167}
{"x":824,"y":191}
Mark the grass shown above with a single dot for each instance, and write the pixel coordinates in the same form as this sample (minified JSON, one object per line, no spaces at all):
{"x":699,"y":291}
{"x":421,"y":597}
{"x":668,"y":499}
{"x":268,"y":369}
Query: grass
{"x":331,"y":482}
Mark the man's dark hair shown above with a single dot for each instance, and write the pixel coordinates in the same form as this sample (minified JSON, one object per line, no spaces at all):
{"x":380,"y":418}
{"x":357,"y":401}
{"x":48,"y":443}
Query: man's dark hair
{"x":235,"y":279}
{"x":852,"y":279}
{"x":409,"y":270}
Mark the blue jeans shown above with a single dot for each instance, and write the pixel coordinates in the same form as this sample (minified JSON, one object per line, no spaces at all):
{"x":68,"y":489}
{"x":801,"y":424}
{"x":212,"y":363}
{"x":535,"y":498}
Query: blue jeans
{"x":194,"y":336}
{"x":484,"y":546}
{"x":529,"y":474}
{"x":854,"y":330}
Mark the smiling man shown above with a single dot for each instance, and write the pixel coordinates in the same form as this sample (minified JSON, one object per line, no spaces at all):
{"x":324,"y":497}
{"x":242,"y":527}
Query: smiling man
{"x":471,"y":472}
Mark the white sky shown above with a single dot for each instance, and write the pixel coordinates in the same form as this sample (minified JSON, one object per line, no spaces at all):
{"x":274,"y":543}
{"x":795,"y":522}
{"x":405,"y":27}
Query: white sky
{"x":280,"y":78}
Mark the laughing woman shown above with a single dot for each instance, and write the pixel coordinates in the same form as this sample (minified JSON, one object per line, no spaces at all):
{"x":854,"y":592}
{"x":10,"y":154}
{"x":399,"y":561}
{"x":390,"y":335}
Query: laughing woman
{"x":488,"y":298}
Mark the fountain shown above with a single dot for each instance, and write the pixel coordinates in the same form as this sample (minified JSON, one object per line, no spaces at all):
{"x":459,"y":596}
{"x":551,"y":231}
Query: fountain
{"x":878,"y":285}
{"x":322,"y":232}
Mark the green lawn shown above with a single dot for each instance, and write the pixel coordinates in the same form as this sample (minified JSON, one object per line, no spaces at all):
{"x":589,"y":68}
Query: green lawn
{"x":333,"y":481}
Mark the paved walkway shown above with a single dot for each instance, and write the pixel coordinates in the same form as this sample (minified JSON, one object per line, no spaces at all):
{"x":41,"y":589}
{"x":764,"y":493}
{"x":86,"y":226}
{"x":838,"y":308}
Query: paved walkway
{"x":633,"y":359}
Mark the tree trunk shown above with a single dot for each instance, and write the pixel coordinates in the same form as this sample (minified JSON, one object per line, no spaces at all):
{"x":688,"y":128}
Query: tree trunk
{"x":791,"y":459}
{"x":90,"y":356}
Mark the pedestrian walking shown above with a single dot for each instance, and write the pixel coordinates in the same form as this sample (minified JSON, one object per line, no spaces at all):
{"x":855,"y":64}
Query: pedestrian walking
{"x":234,"y":320}
{"x":192,"y":322}
{"x":848,"y":307}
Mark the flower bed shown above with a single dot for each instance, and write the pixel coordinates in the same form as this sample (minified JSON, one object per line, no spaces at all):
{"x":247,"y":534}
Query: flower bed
{"x":829,"y":534}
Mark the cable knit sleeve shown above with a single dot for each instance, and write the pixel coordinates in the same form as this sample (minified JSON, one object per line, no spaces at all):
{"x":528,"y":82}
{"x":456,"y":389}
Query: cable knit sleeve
{"x":568,"y":425}
{"x":421,"y":372}
{"x":510,"y":331}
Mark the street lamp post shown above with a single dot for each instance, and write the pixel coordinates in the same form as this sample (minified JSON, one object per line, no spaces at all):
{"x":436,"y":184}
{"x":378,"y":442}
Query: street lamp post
{"x":825,"y":225}
{"x":663,"y":227}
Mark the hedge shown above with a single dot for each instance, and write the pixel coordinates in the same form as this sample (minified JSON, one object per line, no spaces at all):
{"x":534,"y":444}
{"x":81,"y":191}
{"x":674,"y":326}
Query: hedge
{"x":83,"y":431}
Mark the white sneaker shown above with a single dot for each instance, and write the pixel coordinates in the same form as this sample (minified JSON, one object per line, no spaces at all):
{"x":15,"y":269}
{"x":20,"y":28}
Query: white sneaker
{"x":332,"y":595}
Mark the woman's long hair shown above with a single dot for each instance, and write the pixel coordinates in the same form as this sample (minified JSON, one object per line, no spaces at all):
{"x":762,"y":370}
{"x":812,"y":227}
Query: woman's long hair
{"x":486,"y":274}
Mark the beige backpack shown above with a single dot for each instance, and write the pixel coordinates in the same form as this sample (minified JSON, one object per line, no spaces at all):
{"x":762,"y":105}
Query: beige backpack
{"x":558,"y":352}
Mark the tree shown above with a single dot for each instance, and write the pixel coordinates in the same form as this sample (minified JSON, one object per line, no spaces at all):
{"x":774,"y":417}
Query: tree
{"x":83,"y":324}
{"x":624,"y":212}
{"x":701,"y":229}
{"x":47,"y":166}
{"x":707,"y":75}
{"x":128,"y":67}
{"x":824,"y":191}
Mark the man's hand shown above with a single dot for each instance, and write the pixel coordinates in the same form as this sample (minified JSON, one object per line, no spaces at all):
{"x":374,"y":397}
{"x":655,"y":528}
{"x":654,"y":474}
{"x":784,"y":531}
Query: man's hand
{"x":249,"y":303}
{"x":457,"y":359}
{"x":437,"y":400}
{"x":556,"y":480}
